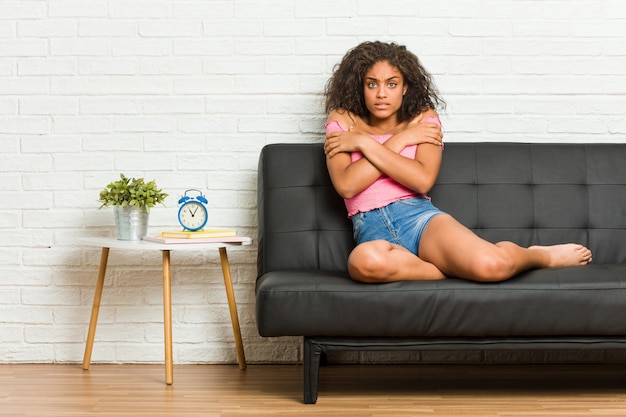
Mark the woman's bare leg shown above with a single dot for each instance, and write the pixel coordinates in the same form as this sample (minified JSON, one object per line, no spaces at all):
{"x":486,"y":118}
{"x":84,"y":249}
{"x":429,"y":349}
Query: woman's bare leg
{"x":458,"y":252}
{"x":382,"y":261}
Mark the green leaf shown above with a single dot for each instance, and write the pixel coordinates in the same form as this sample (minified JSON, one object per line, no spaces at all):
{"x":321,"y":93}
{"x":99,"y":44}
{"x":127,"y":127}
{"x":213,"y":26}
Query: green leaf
{"x":132,"y":191}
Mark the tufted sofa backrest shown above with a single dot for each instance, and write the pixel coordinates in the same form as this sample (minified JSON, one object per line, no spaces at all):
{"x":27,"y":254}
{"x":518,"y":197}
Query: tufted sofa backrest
{"x":525,"y":193}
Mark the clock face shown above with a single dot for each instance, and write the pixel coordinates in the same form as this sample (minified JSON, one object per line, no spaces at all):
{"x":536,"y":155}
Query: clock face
{"x":192,"y":215}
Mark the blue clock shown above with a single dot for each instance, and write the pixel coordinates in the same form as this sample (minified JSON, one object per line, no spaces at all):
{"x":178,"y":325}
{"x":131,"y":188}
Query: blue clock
{"x":193,"y":213}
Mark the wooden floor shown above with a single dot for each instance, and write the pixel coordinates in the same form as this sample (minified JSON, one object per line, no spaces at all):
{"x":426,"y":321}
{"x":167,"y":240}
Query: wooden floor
{"x":346,"y":391}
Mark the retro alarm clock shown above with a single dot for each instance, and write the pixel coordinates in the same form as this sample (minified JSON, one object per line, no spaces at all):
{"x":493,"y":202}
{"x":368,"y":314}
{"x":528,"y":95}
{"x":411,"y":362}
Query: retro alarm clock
{"x":193,"y":213}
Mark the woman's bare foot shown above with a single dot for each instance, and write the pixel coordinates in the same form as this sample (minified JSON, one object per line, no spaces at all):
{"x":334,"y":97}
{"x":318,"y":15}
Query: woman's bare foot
{"x":568,"y":254}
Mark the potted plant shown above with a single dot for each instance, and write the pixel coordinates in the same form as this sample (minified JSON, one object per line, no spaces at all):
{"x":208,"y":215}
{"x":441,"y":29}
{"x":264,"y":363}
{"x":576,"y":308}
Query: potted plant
{"x":133,"y":198}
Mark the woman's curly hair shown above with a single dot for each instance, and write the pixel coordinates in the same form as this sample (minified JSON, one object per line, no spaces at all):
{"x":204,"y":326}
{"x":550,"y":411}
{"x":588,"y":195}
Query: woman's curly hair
{"x":344,"y":90}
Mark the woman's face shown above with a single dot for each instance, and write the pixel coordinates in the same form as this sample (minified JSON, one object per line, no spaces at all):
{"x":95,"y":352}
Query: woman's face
{"x":383,"y":89}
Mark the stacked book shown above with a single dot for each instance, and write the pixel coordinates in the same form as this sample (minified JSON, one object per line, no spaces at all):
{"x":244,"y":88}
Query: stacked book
{"x":200,"y":236}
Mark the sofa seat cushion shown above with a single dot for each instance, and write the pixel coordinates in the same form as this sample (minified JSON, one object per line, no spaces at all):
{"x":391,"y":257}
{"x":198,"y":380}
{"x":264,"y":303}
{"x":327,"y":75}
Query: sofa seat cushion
{"x":582,"y":301}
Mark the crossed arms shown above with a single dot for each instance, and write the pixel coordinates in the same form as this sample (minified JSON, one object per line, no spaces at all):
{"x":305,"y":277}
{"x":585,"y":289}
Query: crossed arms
{"x":350,"y":178}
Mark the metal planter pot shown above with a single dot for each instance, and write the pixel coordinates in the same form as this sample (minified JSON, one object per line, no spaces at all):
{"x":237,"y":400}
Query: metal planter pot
{"x":131,"y":222}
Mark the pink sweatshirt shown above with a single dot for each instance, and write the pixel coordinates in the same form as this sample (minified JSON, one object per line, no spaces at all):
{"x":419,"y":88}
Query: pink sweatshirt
{"x":384,"y":190}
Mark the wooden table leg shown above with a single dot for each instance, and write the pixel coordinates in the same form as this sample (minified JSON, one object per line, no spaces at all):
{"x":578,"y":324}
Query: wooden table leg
{"x":167,"y":314}
{"x":95,"y":309}
{"x":232,"y":305}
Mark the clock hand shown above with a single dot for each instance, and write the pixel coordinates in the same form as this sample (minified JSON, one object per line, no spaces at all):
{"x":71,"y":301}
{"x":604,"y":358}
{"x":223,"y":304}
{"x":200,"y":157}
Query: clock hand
{"x":194,"y":212}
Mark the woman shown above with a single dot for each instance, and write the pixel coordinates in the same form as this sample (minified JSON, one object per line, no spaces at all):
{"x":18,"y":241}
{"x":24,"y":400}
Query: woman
{"x":383,"y":148}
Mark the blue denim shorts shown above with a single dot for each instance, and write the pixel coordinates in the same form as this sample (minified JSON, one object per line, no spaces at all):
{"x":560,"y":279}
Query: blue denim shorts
{"x":401,"y":222}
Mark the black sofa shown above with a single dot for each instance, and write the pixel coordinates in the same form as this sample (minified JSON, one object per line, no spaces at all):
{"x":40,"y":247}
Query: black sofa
{"x":526,"y":193}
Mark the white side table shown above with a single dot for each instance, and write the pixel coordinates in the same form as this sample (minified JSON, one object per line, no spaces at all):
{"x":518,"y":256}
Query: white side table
{"x":110,"y":243}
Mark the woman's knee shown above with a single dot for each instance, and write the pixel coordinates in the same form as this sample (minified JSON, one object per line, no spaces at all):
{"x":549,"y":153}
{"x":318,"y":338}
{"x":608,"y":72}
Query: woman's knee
{"x":369,"y":262}
{"x":493,"y":266}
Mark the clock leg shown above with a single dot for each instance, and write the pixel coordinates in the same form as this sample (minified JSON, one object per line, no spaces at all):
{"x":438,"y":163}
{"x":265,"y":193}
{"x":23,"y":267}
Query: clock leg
{"x":95,"y":309}
{"x":232,"y":305}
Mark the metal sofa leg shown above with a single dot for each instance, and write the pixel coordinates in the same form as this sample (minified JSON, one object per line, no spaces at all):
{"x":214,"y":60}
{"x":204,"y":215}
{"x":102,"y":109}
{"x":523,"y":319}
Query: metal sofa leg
{"x":312,"y":355}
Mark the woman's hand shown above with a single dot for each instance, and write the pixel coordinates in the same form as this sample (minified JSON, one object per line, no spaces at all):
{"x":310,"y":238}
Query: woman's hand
{"x":339,"y":142}
{"x":417,"y":133}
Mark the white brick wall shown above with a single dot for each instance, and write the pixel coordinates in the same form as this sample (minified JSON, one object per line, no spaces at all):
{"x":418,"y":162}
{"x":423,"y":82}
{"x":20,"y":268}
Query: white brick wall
{"x":188,"y":92}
